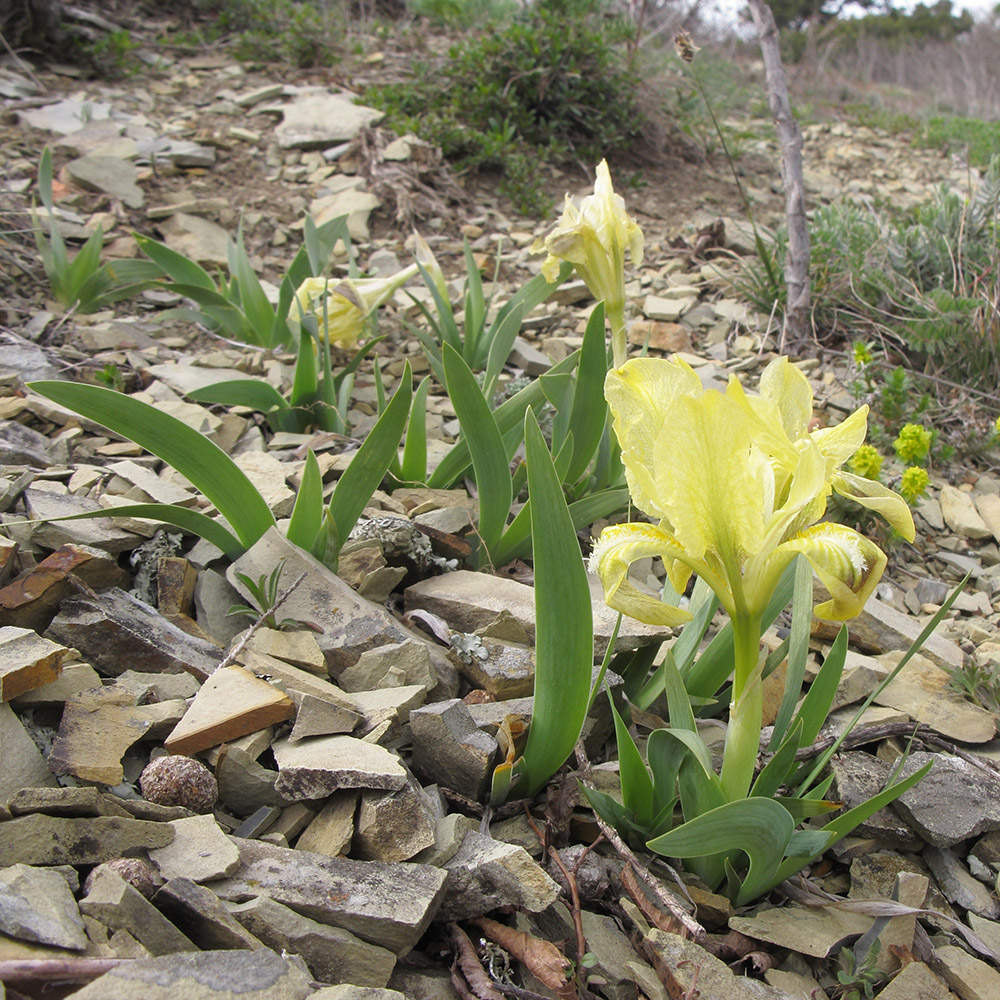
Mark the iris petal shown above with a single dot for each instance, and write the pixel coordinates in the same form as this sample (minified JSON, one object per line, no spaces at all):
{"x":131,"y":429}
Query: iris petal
{"x":618,"y":547}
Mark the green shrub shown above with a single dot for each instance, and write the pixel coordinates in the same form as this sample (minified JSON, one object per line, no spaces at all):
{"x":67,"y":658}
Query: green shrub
{"x":548,"y":86}
{"x":290,"y":31}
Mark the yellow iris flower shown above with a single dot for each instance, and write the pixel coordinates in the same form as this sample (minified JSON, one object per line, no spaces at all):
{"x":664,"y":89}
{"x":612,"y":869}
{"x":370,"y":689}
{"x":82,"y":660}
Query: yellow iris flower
{"x":342,"y":307}
{"x":594,"y":239}
{"x":737,"y":484}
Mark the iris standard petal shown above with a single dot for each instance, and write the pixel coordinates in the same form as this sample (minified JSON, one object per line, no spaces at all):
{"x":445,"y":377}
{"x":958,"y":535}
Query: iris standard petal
{"x":640,"y":395}
{"x":618,"y":547}
{"x":840,"y":442}
{"x":704,"y":480}
{"x":784,"y":384}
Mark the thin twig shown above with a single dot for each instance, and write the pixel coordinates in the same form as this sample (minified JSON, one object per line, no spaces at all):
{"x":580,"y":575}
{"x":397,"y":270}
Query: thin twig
{"x":665,"y":898}
{"x":22,"y":65}
{"x":266,"y":613}
{"x":581,"y":941}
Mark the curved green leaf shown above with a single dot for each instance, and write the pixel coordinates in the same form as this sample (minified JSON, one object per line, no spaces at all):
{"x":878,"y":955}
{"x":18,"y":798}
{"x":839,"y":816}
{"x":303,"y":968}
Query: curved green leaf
{"x":251,"y":392}
{"x":201,"y":461}
{"x":637,"y":786}
{"x":489,"y":457}
{"x":307,"y":514}
{"x":414,"y":465}
{"x":590,"y":410}
{"x":759,"y":827}
{"x":367,"y":469}
{"x":181,"y":269}
{"x":564,"y":632}
{"x":191,"y":521}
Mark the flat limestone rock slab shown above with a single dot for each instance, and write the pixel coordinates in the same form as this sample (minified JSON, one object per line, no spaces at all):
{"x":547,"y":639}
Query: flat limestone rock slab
{"x":315,"y":121}
{"x":204,"y":916}
{"x":115,"y":632}
{"x":314,"y":768}
{"x":350,"y":623}
{"x":206,"y":975}
{"x":98,"y":726}
{"x":386,"y":903}
{"x":27,"y":661}
{"x":62,"y":840}
{"x":334,"y":955}
{"x":231,"y":703}
{"x":921,"y":690}
{"x":23,"y":765}
{"x":814,"y":932}
{"x":36,"y":904}
{"x":200,"y":851}
{"x":469,"y":601}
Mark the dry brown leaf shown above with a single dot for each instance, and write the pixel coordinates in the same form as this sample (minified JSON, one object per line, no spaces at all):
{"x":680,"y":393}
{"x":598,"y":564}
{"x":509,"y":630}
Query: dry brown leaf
{"x":468,"y":961}
{"x":543,"y":959}
{"x":656,"y":916}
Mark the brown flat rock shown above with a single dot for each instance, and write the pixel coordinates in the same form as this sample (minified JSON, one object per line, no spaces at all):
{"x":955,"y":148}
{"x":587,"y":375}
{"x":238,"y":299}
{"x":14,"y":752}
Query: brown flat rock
{"x":231,"y":703}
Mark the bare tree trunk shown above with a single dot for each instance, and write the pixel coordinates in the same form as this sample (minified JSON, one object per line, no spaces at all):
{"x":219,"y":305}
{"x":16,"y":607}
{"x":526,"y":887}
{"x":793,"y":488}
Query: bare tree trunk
{"x":790,"y":139}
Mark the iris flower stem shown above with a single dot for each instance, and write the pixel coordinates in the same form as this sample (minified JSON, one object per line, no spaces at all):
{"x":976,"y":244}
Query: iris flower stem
{"x":619,"y":347}
{"x":746,"y":709}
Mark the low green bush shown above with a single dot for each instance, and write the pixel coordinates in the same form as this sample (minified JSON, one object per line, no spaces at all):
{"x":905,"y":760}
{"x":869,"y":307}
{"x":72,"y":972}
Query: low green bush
{"x":549,"y":85}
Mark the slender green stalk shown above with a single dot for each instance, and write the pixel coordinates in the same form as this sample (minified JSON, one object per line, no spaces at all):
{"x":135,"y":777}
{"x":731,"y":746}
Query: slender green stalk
{"x":746,"y":711}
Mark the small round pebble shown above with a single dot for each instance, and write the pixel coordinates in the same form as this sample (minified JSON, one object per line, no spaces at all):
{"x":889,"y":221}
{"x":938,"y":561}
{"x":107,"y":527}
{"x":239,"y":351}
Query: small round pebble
{"x":179,"y":781}
{"x":135,"y":871}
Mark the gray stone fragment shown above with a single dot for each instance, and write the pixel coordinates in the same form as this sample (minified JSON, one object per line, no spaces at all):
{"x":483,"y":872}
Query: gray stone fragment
{"x":485,"y":874}
{"x":955,"y":801}
{"x":350,"y":624}
{"x":411,"y":658}
{"x":393,"y":826}
{"x":319,"y":717}
{"x":65,"y":116}
{"x":116,"y":632}
{"x":85,"y":800}
{"x":203,"y":916}
{"x":101,"y":533}
{"x":20,"y":445}
{"x":334,"y":955}
{"x":312,"y":769}
{"x":959,"y":886}
{"x":348,"y":992}
{"x":694,"y":968}
{"x":36,"y":904}
{"x":859,"y":776}
{"x":881,"y":627}
{"x":199,"y":851}
{"x":470,"y":601}
{"x":63,"y":840}
{"x":23,"y":765}
{"x":206,"y":975}
{"x":244,"y":785}
{"x":420,"y":984}
{"x":110,"y":175}
{"x":120,"y":907}
{"x":315,"y":121}
{"x":386,"y":904}
{"x":450,"y":749}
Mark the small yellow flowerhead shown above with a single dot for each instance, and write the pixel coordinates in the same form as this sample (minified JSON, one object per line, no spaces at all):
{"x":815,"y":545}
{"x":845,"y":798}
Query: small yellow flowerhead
{"x":996,"y":426}
{"x":867,"y":462}
{"x":862,"y":353}
{"x":914,"y":484}
{"x":913,"y":443}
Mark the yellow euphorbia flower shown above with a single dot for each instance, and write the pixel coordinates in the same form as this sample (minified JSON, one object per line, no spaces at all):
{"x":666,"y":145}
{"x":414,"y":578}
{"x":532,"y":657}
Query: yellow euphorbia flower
{"x":594,"y":238}
{"x":737,"y":488}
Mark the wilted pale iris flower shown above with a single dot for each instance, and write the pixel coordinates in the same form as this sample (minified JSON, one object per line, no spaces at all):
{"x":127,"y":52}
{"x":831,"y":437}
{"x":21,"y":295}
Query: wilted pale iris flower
{"x":594,"y":238}
{"x":737,"y":485}
{"x":341,"y":307}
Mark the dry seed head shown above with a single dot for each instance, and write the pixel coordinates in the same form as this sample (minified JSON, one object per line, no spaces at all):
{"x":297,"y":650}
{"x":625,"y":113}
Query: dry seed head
{"x":685,"y":46}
